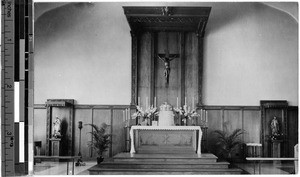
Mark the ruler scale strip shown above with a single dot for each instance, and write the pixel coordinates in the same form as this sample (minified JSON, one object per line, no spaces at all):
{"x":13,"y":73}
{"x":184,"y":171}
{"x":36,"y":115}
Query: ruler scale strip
{"x":7,"y":89}
{"x":17,"y":87}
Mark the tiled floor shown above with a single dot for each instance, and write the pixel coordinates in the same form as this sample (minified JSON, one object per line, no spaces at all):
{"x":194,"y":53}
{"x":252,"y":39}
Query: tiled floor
{"x":60,"y":168}
{"x":269,"y":168}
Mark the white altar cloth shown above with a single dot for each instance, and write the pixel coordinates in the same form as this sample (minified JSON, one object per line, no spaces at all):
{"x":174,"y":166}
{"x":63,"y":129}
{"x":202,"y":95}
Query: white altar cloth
{"x":195,"y":128}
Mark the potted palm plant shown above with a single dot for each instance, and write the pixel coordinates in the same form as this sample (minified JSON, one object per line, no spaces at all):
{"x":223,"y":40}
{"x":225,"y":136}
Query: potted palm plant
{"x":227,"y":143}
{"x":100,"y":140}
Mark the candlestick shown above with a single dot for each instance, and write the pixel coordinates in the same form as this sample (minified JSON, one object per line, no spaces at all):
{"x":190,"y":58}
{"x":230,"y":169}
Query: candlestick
{"x":80,"y":124}
{"x":177,"y":103}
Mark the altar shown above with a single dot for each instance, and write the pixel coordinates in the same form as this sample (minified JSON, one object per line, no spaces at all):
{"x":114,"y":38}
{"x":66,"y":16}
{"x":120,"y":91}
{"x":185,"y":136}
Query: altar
{"x":164,"y":139}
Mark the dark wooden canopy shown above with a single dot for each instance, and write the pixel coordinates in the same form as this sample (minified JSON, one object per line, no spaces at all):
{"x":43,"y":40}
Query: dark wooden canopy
{"x":167,"y":18}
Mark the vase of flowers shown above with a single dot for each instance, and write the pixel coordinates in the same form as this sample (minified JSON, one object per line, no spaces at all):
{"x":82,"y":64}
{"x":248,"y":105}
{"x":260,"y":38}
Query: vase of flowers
{"x":145,"y":116}
{"x":186,"y":113}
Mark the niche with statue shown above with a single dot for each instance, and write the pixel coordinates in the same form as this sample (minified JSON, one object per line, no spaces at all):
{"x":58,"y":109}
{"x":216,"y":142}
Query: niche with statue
{"x":274,"y":128}
{"x":59,"y":131}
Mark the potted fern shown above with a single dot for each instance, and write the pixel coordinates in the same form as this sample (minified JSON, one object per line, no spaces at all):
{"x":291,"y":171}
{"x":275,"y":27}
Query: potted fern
{"x":227,"y":143}
{"x":100,"y":140}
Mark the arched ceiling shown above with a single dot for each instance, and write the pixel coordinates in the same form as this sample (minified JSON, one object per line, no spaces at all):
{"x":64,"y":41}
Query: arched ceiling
{"x":290,"y":8}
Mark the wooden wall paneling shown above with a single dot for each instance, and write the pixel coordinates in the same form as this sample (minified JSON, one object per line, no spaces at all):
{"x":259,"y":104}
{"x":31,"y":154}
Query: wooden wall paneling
{"x":181,"y":70}
{"x":144,"y":69}
{"x":134,"y":69}
{"x":152,"y":67}
{"x":39,"y":128}
{"x":200,"y":69}
{"x":159,"y":70}
{"x":292,"y":133}
{"x":118,"y":132}
{"x":174,"y":82}
{"x":214,"y":123}
{"x":160,"y":82}
{"x":191,"y":68}
{"x":102,"y":116}
{"x":252,"y":126}
{"x":232,"y":121}
{"x":84,"y":115}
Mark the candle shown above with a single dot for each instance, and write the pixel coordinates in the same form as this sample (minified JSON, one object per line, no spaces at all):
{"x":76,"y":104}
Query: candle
{"x":128,"y":118}
{"x":146,"y":103}
{"x":123,"y":116}
{"x":184,"y":100}
{"x":154,"y":101}
{"x":139,"y":101}
{"x":193,"y":103}
{"x":201,"y":114}
{"x":206,"y":116}
{"x":177,"y":103}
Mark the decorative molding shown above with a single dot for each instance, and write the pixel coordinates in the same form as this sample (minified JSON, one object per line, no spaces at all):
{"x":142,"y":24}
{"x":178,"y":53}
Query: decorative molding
{"x":207,"y":107}
{"x":167,"y":18}
{"x":274,"y":103}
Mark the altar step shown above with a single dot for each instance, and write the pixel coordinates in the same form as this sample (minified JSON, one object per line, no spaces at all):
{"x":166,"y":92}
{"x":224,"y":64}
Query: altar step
{"x":163,"y":164}
{"x":185,"y":171}
{"x":203,"y":158}
{"x":165,"y":150}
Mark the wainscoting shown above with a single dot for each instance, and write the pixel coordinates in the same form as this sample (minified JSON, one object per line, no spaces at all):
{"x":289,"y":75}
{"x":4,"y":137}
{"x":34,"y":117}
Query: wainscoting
{"x":227,"y":118}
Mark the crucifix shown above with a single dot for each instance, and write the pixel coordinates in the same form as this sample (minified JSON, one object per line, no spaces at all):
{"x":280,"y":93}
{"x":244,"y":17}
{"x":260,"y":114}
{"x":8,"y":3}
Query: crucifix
{"x":167,"y":58}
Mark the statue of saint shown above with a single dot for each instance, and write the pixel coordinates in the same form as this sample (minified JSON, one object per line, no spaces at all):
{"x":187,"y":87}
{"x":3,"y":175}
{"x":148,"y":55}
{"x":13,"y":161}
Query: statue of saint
{"x":275,"y":127}
{"x":56,"y":128}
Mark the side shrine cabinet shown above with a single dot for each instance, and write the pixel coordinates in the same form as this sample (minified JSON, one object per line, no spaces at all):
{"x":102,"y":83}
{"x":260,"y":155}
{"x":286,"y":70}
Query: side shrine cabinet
{"x":59,"y":131}
{"x":274,"y":128}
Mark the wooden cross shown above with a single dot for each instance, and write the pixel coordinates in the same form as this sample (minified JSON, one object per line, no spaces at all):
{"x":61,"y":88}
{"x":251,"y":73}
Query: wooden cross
{"x":166,"y":58}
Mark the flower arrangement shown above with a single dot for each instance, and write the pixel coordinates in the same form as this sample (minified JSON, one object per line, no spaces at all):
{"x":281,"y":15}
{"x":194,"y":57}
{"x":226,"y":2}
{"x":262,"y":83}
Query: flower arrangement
{"x":186,"y":111}
{"x":147,"y":114}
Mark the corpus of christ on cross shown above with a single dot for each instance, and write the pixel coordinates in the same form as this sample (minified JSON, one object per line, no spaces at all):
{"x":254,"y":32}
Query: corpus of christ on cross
{"x":167,"y":58}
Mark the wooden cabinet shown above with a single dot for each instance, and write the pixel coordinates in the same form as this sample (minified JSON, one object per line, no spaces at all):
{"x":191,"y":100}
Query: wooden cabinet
{"x":64,"y":110}
{"x":269,"y":110}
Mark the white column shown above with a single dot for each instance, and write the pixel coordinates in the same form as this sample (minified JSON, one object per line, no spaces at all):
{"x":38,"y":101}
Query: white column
{"x":132,"y":150}
{"x":199,"y":141}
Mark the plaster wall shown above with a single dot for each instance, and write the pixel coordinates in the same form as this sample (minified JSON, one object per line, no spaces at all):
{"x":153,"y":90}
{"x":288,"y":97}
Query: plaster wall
{"x":83,"y":52}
